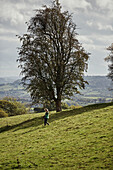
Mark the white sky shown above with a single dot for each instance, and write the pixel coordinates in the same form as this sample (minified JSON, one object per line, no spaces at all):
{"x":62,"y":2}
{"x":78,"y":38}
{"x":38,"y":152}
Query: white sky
{"x":94,"y":20}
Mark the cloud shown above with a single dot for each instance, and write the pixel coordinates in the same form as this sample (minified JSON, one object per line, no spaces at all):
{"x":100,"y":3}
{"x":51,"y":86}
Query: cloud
{"x":89,"y":23}
{"x":17,"y":12}
{"x":5,"y":31}
{"x":9,"y":11}
{"x":82,"y":4}
{"x":106,"y":6}
{"x":104,"y":27}
{"x":94,"y":21}
{"x":103,"y":4}
{"x":87,"y":42}
{"x":85,"y":39}
{"x":100,"y":26}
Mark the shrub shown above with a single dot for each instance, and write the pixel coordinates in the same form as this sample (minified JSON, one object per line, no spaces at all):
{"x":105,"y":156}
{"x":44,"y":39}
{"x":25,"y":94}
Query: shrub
{"x":38,"y":109}
{"x":12,"y":107}
{"x":65,"y":105}
{"x":3,"y":113}
{"x":21,"y":109}
{"x":74,"y":107}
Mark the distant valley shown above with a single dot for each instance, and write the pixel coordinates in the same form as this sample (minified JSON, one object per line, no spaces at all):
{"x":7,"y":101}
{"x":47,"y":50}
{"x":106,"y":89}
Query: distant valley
{"x":96,"y":92}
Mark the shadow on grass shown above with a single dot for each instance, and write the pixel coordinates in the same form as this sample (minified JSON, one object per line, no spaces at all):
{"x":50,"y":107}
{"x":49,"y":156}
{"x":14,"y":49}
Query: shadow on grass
{"x":56,"y":116}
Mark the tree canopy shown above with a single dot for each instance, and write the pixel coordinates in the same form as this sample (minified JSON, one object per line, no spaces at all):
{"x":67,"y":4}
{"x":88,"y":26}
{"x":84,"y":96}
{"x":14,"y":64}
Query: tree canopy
{"x":51,"y":59}
{"x":109,"y":59}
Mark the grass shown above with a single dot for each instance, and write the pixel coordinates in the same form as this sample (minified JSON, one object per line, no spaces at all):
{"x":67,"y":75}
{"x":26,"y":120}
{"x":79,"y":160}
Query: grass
{"x":76,"y":139}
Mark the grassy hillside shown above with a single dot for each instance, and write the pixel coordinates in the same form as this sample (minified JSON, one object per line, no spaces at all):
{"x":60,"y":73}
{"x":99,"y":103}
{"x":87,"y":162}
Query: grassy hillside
{"x":75,"y":139}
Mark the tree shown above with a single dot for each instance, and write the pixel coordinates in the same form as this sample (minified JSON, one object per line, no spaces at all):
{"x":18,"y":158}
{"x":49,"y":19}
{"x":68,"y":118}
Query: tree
{"x":12,"y":107}
{"x":110,"y":60}
{"x":51,"y":58}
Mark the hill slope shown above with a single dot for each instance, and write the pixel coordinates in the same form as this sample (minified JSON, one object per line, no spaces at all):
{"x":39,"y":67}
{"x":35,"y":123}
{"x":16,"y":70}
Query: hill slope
{"x":76,"y":139}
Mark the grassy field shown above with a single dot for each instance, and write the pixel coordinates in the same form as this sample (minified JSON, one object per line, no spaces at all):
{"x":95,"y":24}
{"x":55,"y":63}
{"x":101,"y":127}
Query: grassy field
{"x":75,"y":139}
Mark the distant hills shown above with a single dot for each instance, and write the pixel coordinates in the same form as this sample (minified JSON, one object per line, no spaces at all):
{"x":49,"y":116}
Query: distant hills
{"x":98,"y":86}
{"x":96,"y":92}
{"x":4,"y":80}
{"x":12,"y":87}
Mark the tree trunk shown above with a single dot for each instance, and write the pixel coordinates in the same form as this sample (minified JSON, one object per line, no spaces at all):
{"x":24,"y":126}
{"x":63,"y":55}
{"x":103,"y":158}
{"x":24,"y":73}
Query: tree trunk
{"x":58,"y":105}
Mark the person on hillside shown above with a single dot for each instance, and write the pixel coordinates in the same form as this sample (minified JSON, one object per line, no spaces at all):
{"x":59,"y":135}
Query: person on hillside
{"x":46,"y":116}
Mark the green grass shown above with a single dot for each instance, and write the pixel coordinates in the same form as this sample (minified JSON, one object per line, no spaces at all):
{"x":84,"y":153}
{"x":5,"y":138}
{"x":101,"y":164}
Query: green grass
{"x":76,"y":139}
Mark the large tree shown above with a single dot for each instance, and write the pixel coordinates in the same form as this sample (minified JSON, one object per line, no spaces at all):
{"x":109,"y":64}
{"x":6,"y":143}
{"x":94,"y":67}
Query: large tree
{"x":109,"y":59}
{"x":51,"y":58}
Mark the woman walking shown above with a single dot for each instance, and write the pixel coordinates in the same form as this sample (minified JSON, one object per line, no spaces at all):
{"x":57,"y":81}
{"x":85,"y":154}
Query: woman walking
{"x":46,"y":117}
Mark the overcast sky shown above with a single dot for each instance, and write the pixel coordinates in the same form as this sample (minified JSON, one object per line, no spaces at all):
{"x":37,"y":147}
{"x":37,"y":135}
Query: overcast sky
{"x":94,"y":20}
